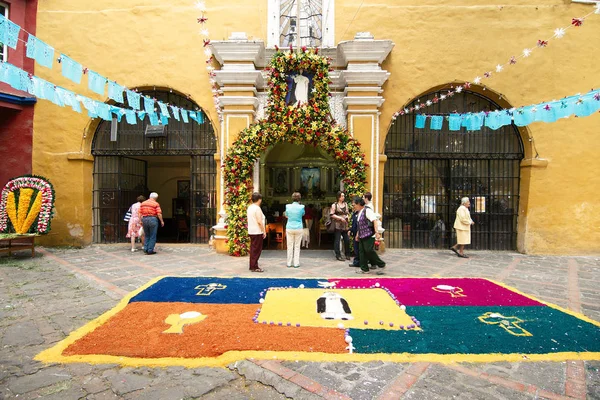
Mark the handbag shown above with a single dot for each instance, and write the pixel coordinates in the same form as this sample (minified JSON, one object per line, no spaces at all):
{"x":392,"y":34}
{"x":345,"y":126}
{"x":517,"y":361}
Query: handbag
{"x":330,"y":226}
{"x":127,"y":215}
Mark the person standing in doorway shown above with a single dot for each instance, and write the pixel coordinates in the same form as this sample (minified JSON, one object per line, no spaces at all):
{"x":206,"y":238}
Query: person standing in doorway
{"x":368,"y":232}
{"x":462,"y":224}
{"x":256,"y":230}
{"x":151,"y":215}
{"x":294,"y":213}
{"x":339,"y":216}
{"x":134,"y":228}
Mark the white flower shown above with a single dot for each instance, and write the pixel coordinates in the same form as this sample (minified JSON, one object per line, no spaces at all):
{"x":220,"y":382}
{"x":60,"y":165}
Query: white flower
{"x":200,"y":5}
{"x":477,"y":80}
{"x":208,"y":52}
{"x":459,"y":89}
{"x":526,"y":52}
{"x":429,"y":102}
{"x":443,"y":97}
{"x":559,"y":32}
{"x":204,"y":32}
{"x":499,"y":68}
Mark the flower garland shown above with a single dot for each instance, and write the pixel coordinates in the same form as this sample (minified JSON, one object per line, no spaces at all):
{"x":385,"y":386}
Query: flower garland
{"x":216,"y":92}
{"x":21,"y":219}
{"x":307,"y":123}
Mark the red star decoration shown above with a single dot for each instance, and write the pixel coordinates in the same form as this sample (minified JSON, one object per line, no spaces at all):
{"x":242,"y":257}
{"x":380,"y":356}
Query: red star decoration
{"x":513,"y":60}
{"x":206,"y":42}
{"x":467,"y":85}
{"x":547,"y":107}
{"x":202,"y":19}
{"x":577,"y":21}
{"x":542,"y":43}
{"x":85,"y":71}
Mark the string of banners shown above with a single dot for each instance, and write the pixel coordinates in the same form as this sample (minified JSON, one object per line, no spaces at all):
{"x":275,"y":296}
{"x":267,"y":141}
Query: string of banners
{"x":490,"y":73}
{"x":43,"y":54}
{"x":578,"y":105}
{"x":42,"y":89}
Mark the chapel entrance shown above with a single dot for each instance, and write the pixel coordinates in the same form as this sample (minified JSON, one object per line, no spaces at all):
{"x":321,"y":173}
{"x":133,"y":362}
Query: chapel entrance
{"x":428,"y":171}
{"x":286,"y":168}
{"x":178,"y":163}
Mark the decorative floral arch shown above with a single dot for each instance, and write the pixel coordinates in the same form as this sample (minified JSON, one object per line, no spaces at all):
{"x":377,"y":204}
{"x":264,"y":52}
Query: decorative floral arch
{"x":308,"y":123}
{"x":18,"y":213}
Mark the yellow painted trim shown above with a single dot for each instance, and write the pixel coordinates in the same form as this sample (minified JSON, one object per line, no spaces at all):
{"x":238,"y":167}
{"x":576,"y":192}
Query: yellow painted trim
{"x":54,"y":354}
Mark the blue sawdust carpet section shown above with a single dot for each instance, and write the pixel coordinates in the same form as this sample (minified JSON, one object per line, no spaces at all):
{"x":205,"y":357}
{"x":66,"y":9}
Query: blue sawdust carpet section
{"x":451,"y":330}
{"x":215,"y":290}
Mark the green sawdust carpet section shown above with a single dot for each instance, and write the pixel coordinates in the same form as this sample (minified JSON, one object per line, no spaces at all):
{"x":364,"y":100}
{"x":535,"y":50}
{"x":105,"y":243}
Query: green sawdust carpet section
{"x":450,"y":330}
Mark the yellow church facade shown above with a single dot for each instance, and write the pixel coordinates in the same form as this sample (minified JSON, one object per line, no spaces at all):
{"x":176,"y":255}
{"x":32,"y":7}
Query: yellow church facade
{"x":534,"y":189}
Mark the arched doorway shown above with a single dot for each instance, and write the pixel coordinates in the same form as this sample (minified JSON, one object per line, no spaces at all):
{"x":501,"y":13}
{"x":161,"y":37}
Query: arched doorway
{"x":178,"y":163}
{"x":428,"y":171}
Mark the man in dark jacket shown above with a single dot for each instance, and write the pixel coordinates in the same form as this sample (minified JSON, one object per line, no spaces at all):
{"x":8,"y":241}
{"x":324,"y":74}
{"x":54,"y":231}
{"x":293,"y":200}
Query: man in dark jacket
{"x":353,"y":232}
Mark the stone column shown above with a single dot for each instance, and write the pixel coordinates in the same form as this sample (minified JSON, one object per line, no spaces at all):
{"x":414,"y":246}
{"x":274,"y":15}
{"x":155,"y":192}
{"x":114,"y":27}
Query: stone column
{"x":238,"y":79}
{"x":363,"y":79}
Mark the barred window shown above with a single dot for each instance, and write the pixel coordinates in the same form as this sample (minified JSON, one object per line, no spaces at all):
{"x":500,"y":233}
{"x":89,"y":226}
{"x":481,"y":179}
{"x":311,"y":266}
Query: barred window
{"x":301,"y":22}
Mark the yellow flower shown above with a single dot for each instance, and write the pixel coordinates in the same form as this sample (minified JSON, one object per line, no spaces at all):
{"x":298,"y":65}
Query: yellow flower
{"x":33,"y":213}
{"x":24,"y":200}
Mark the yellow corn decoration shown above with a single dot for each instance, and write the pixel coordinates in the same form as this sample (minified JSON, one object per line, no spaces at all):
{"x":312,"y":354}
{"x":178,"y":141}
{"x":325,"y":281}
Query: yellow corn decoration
{"x":24,"y":200}
{"x":11,"y":209}
{"x":33,"y":213}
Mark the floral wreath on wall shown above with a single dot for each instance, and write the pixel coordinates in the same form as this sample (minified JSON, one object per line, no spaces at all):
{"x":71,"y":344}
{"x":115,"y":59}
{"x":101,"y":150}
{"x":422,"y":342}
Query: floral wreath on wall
{"x":309,"y":122}
{"x":26,"y":205}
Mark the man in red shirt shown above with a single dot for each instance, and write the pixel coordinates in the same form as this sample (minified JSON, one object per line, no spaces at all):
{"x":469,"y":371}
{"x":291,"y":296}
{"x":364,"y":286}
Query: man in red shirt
{"x":151,"y":214}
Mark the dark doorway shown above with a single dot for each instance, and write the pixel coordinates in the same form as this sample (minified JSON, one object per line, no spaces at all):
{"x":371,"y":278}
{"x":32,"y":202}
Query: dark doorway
{"x":428,"y":172}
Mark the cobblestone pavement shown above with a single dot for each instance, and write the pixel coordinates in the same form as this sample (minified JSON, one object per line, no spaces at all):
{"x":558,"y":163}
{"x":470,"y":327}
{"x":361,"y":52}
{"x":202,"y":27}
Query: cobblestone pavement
{"x":44,"y":298}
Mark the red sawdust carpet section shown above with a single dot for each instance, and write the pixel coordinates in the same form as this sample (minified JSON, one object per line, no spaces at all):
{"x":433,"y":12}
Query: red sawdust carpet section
{"x":136,"y":331}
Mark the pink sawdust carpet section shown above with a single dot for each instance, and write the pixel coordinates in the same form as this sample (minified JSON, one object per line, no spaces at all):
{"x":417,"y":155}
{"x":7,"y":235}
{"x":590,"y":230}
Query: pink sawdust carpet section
{"x":444,"y":291}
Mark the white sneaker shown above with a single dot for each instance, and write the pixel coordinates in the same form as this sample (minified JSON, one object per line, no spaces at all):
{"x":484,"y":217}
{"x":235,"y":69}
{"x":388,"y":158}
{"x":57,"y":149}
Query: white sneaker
{"x":134,"y":250}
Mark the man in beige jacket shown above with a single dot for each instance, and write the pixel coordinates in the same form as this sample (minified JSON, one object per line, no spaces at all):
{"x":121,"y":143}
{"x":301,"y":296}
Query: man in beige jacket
{"x":462,"y":224}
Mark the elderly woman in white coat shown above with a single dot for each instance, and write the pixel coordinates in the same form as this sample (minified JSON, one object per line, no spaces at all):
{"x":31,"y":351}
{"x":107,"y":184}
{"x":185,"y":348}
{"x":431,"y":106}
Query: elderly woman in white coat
{"x":462,"y":224}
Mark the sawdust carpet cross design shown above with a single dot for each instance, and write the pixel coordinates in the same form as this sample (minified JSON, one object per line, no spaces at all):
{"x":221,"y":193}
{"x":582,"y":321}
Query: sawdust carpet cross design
{"x":212,"y":321}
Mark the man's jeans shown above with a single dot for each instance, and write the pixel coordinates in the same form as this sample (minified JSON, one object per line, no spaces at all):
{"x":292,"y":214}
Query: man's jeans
{"x":150,"y":225}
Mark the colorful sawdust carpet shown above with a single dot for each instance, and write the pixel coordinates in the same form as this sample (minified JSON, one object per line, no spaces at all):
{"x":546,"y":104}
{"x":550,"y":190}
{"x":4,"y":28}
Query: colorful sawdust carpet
{"x":210,"y":321}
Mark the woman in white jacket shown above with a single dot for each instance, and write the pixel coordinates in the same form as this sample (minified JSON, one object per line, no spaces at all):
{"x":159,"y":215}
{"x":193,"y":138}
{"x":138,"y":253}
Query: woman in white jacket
{"x":462,"y":224}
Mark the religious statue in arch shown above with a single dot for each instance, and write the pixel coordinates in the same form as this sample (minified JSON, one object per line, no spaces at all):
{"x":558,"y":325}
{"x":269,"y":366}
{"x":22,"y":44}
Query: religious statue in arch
{"x":299,"y":87}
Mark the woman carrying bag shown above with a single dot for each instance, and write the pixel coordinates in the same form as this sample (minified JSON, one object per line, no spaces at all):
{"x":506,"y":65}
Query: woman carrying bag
{"x":339,"y":218}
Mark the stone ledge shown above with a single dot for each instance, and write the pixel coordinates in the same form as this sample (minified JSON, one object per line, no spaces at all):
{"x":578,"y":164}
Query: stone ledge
{"x":534,"y":163}
{"x":80,"y":157}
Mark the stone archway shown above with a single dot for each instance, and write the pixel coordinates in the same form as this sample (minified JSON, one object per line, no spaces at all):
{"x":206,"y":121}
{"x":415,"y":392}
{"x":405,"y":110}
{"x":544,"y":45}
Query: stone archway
{"x":427,"y":172}
{"x":300,"y":123}
{"x":136,"y":163}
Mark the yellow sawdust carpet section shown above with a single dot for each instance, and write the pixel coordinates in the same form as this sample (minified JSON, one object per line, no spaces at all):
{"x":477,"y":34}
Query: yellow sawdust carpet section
{"x":298,"y":306}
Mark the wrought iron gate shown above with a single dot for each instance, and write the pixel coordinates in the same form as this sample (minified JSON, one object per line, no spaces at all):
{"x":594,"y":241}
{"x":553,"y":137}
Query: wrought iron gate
{"x":119,"y":178}
{"x":118,"y":181}
{"x":204,"y":197}
{"x":428,"y":172}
